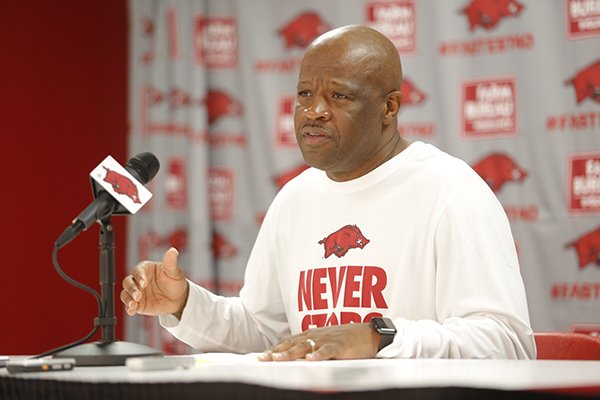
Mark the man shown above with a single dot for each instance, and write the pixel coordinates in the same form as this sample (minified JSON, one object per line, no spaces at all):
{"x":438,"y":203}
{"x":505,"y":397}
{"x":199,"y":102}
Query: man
{"x":379,"y":227}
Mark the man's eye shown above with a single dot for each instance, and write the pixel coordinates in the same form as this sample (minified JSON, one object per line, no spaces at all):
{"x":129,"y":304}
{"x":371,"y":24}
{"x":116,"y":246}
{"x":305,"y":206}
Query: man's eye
{"x":339,"y":96}
{"x":303,"y":93}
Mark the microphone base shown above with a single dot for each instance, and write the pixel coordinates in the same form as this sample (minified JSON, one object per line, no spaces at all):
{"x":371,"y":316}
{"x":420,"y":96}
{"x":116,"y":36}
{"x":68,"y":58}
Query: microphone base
{"x":106,"y":353}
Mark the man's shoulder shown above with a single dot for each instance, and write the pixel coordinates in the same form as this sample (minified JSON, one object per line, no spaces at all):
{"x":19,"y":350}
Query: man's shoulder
{"x":301,"y":183}
{"x":443,"y":167}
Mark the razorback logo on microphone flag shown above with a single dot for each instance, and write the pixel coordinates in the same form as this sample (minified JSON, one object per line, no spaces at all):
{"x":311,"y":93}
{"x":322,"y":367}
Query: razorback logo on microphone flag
{"x":121,"y":185}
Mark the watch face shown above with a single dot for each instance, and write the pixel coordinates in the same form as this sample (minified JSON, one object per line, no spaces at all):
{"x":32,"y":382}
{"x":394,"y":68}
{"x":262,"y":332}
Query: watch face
{"x":384,"y":325}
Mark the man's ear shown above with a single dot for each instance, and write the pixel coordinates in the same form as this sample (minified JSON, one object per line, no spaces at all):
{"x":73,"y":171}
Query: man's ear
{"x":393,"y":102}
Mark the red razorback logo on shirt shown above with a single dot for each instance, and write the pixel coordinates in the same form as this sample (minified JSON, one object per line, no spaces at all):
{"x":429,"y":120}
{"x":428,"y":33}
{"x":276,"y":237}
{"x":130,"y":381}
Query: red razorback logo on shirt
{"x":346,"y":238}
{"x":122,"y":184}
{"x":587,"y":83}
{"x":487,"y":13}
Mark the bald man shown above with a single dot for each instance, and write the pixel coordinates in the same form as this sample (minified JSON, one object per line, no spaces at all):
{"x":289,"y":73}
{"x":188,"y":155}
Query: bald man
{"x":384,"y":248}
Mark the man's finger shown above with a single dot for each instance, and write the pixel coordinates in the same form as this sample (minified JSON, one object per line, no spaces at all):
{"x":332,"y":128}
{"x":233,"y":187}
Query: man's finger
{"x":130,"y":304}
{"x":131,"y":308}
{"x":139,"y":274}
{"x":170,"y":262}
{"x":324,"y":352}
{"x":280,"y":350}
{"x":131,"y":287}
{"x":297,"y":351}
{"x":282,"y":346}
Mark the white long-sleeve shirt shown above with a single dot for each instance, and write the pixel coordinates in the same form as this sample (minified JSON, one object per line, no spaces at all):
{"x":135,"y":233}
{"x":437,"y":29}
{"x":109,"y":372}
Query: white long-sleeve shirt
{"x":421,"y":239}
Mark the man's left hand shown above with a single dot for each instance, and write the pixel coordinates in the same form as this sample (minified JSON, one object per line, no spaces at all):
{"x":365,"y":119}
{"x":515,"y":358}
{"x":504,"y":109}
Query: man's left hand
{"x":333,"y":342}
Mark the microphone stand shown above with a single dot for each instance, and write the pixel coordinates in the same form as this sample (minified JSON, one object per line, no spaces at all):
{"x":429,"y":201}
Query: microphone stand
{"x":108,"y":351}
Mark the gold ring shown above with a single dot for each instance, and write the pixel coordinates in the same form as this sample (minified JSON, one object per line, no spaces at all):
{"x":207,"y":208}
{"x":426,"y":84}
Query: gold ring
{"x":312,"y":344}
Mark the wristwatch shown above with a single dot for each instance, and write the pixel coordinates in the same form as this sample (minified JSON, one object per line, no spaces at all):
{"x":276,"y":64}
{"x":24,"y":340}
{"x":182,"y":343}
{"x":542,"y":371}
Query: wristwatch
{"x":385,"y":327}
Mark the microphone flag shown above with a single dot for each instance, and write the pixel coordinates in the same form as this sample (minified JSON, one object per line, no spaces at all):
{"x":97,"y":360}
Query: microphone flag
{"x":120,"y":184}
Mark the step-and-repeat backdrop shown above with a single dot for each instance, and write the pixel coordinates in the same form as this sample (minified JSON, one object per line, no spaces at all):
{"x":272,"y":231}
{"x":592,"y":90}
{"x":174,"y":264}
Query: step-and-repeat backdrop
{"x":510,"y":86}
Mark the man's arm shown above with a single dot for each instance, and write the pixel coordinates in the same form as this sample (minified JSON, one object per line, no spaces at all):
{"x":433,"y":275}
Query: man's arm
{"x":480,"y":297}
{"x":249,"y":323}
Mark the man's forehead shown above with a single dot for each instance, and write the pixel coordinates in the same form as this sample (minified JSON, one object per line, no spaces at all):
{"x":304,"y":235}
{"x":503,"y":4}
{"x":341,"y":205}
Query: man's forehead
{"x":331,"y":81}
{"x":343,"y":61}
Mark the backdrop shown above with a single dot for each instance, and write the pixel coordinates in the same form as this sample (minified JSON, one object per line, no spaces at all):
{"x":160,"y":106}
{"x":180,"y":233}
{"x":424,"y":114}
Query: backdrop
{"x":512,"y":87}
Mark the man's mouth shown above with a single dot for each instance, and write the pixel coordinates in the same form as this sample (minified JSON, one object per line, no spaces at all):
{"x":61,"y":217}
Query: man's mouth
{"x":314,"y":134}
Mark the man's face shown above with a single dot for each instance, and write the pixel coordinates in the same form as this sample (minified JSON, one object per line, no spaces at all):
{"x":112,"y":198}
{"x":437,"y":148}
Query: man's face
{"x":339,"y":114}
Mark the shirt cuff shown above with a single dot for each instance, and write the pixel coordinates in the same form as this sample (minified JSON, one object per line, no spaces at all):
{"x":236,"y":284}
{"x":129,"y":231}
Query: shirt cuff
{"x":170,"y":320}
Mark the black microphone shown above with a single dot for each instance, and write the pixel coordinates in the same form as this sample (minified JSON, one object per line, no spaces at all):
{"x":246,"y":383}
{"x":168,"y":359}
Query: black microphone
{"x":143,"y":167}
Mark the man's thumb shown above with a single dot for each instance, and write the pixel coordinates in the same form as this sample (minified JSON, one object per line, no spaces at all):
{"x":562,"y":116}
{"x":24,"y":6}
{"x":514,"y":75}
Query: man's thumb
{"x":169,"y":261}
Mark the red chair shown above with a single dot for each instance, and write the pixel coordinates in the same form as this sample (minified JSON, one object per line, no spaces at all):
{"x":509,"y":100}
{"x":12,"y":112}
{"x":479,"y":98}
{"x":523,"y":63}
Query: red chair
{"x":566,"y":346}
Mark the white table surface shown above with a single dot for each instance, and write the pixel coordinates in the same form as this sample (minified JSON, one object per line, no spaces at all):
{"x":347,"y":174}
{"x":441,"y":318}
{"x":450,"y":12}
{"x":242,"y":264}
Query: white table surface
{"x":352,"y":375}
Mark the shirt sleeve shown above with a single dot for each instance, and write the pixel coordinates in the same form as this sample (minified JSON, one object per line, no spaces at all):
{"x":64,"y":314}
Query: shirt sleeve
{"x":251,"y":322}
{"x":480,"y":297}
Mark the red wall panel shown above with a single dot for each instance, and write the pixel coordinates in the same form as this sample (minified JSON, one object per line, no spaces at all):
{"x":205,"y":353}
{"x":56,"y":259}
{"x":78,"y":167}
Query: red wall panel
{"x":62,"y":110}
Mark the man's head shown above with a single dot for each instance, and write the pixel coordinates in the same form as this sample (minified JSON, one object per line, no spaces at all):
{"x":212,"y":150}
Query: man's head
{"x":348,"y":96}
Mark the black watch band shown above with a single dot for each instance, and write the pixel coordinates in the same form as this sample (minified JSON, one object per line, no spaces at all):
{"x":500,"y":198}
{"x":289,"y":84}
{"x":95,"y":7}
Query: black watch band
{"x":385,"y":327}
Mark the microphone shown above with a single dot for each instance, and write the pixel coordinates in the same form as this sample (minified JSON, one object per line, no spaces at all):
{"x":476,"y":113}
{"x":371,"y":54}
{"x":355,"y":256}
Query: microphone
{"x":143,"y":167}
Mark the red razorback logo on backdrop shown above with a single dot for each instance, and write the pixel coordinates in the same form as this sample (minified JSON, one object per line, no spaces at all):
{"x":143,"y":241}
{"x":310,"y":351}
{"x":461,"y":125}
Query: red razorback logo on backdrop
{"x":177,"y":238}
{"x":303,"y":29}
{"x":497,"y":169}
{"x":487,"y":13}
{"x":586,"y":83}
{"x":346,"y":238}
{"x":222,"y":248}
{"x":176,"y":97}
{"x":285,"y":177}
{"x":122,"y":185}
{"x":587,"y":247}
{"x":411,"y":94}
{"x":220,"y":104}
{"x":154,"y":96}
{"x":180,"y":98}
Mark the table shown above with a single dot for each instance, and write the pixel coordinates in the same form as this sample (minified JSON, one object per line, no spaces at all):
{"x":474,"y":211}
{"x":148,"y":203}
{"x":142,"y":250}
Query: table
{"x":229,"y":376}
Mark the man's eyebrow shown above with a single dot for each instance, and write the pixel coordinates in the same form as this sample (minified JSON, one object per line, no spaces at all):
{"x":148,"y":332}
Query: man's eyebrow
{"x":334,"y":83}
{"x":345,"y":85}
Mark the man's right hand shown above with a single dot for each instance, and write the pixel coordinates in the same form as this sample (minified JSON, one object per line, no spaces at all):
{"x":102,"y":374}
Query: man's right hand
{"x":156,"y":288}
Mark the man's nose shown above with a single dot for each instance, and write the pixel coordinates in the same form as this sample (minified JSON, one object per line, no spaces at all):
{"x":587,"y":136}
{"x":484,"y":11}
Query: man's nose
{"x":318,"y":109}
